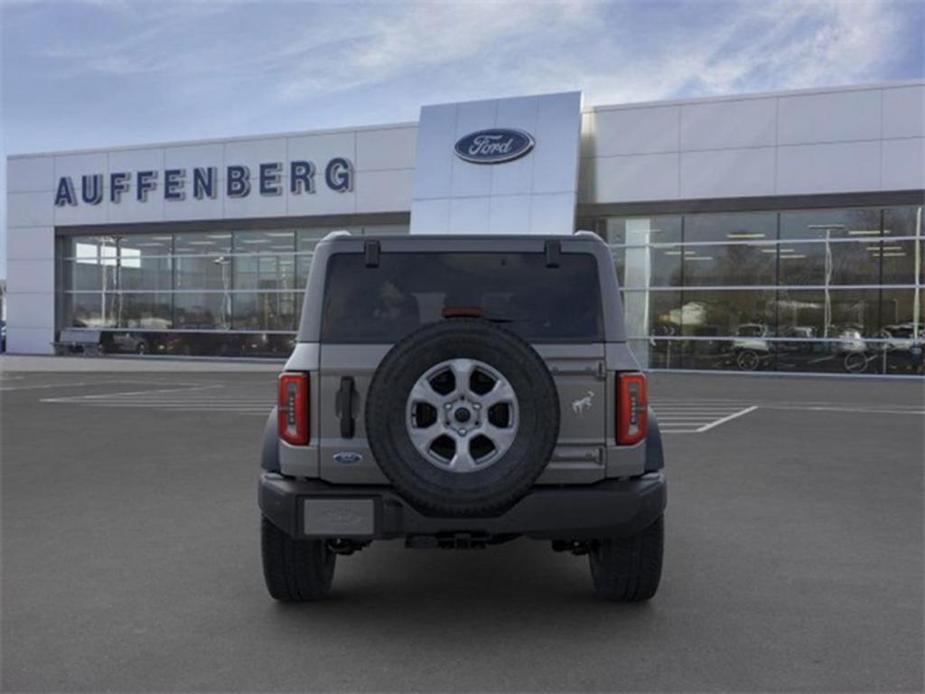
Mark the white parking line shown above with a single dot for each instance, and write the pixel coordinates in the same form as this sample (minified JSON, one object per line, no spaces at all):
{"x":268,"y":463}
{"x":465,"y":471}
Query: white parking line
{"x":190,"y":398}
{"x":728,"y":418}
{"x":697,"y":416}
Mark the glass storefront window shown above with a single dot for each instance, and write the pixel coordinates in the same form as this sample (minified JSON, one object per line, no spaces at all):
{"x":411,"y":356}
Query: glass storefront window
{"x":147,"y":273}
{"x":206,"y":311}
{"x":203,"y":243}
{"x":848,"y":314}
{"x":665,"y":313}
{"x":641,"y":230}
{"x":77,"y":275}
{"x":147,"y":310}
{"x":828,"y":263}
{"x":277,"y":241}
{"x":264,"y":271}
{"x":830,"y":224}
{"x":264,"y":311}
{"x":146,"y":245}
{"x":739,"y":226}
{"x":837,"y":290}
{"x":94,"y":250}
{"x":203,"y":272}
{"x":732,"y":265}
{"x":91,"y":310}
{"x":152,"y":291}
{"x":724,"y":313}
{"x":902,"y":221}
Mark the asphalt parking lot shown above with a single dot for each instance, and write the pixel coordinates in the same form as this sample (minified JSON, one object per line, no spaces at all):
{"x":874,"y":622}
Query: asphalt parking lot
{"x":130,"y":559}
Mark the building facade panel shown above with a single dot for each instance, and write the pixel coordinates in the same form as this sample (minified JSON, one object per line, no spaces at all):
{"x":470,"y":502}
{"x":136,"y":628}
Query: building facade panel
{"x":30,"y":174}
{"x":515,"y":177}
{"x":840,"y":116}
{"x":737,"y":172}
{"x":829,"y":168}
{"x":555,"y":167}
{"x":904,"y":164}
{"x":727,"y":124}
{"x":386,"y":148}
{"x":384,"y":191}
{"x":23,"y":340}
{"x":30,"y":243}
{"x":634,"y":177}
{"x":30,"y":275}
{"x":29,"y":209}
{"x":904,"y":112}
{"x":34,"y":310}
{"x":508,"y":213}
{"x":433,"y":175}
{"x":634,"y":131}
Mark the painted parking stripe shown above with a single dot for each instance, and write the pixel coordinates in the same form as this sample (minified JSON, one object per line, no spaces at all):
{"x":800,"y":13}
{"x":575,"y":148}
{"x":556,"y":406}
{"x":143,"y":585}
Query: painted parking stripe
{"x":189,"y":398}
{"x":728,"y":418}
{"x":697,"y":416}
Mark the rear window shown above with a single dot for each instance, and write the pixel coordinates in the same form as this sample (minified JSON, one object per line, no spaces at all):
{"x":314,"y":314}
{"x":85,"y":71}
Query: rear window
{"x":407,"y":290}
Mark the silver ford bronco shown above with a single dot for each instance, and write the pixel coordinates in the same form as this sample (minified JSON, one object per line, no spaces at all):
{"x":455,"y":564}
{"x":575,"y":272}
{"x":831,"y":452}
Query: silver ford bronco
{"x":462,"y":391}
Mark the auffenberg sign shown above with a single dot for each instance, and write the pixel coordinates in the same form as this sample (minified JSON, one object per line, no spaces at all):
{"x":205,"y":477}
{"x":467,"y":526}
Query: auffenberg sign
{"x":203,"y":182}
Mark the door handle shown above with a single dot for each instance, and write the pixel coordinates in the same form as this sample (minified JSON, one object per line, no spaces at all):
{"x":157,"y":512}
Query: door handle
{"x":344,"y":407}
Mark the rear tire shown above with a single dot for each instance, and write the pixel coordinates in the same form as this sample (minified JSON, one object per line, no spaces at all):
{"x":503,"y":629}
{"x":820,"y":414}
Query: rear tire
{"x":748,"y":360}
{"x":629,"y":569}
{"x":295,"y":570}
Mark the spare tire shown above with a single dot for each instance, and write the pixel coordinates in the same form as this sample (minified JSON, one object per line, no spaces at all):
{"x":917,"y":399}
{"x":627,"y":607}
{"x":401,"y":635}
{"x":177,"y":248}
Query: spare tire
{"x":462,"y":417}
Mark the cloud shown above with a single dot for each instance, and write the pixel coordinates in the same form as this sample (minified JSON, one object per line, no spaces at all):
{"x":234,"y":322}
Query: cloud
{"x":143,"y":70}
{"x":409,"y":38}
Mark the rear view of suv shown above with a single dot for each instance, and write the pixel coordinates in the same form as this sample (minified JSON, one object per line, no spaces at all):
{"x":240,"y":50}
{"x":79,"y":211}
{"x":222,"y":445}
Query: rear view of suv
{"x":461,"y":392}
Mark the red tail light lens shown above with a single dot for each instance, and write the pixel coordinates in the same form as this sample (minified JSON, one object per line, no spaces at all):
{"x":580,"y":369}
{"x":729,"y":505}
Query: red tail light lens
{"x":292,"y":408}
{"x":632,"y":408}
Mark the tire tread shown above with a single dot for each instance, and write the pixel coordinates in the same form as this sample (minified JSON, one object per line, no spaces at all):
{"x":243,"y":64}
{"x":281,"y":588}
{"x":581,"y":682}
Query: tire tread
{"x":629,"y":569}
{"x":294,"y":570}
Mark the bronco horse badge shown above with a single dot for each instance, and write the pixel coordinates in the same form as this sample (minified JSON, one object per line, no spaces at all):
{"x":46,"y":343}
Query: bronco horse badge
{"x":579,"y":406}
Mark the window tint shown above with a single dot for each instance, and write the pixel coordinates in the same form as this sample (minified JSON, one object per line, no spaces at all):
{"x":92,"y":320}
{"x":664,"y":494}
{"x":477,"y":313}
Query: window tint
{"x":408,"y":290}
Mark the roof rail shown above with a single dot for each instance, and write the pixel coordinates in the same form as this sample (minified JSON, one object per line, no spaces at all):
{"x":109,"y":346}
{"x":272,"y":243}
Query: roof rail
{"x":336,"y":234}
{"x":585,"y":232}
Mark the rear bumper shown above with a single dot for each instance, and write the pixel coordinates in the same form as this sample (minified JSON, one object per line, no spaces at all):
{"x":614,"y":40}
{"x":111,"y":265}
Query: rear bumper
{"x":612,"y":508}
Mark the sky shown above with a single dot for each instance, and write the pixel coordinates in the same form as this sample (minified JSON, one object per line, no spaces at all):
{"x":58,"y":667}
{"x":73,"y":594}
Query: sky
{"x":96,"y":73}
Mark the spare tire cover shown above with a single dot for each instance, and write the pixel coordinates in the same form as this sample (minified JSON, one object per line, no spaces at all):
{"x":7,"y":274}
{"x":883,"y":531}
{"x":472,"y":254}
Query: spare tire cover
{"x":462,"y":417}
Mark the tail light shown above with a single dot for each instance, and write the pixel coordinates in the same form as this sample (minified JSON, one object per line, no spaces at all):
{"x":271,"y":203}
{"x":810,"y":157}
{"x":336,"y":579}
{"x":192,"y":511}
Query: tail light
{"x":292,"y":408}
{"x":632,"y":408}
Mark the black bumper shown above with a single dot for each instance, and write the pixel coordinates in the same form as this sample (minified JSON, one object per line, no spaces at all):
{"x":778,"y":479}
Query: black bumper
{"x":611,"y":508}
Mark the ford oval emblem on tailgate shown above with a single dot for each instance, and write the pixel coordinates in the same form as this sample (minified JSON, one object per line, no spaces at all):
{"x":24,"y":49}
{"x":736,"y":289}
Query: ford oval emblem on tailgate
{"x":494,"y":146}
{"x":347,"y":458}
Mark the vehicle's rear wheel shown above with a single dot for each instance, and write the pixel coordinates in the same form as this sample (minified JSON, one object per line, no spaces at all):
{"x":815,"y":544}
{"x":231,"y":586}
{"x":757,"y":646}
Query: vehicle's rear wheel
{"x":295,"y":570}
{"x":747,"y":360}
{"x":629,"y":569}
{"x":855,"y":363}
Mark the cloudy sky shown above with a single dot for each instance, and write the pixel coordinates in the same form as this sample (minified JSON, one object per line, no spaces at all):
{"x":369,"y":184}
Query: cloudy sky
{"x":79,"y":74}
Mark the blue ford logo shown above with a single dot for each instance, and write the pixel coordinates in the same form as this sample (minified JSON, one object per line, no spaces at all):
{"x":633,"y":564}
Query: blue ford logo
{"x":347,"y":458}
{"x":494,"y":146}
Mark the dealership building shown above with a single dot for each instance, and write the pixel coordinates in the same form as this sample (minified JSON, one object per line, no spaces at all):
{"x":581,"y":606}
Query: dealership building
{"x":775,"y":232}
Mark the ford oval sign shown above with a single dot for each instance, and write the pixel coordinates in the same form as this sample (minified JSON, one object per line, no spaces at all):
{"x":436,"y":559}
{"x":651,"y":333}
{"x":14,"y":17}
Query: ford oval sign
{"x":494,"y":146}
